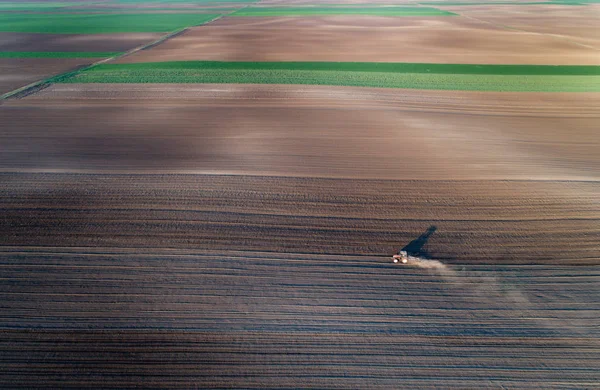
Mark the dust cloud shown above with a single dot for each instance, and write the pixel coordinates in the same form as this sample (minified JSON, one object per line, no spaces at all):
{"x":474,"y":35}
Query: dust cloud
{"x":489,"y":288}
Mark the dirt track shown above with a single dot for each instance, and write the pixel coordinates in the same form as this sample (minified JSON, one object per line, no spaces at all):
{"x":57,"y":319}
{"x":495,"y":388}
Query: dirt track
{"x":366,"y":39}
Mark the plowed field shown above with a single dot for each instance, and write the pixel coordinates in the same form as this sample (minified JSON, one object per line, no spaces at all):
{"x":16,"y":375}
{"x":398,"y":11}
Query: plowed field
{"x":162,"y":235}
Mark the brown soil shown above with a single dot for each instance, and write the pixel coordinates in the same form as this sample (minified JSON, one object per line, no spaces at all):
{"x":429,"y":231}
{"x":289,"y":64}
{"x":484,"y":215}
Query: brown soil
{"x":368,"y":39}
{"x":73,"y":42}
{"x":205,"y":319}
{"x":119,"y":271}
{"x":571,"y":23}
{"x":307,"y":131}
{"x":478,"y":221}
{"x":441,"y":166}
{"x":18,"y":72}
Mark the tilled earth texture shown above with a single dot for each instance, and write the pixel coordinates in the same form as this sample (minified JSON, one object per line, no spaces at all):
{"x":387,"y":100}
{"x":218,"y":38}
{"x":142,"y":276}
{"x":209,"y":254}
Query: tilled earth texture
{"x":163,"y":235}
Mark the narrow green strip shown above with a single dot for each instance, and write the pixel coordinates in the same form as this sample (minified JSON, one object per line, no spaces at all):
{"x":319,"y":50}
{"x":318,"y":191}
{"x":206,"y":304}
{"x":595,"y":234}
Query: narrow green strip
{"x":387,"y":67}
{"x":569,"y":79}
{"x":57,"y":54}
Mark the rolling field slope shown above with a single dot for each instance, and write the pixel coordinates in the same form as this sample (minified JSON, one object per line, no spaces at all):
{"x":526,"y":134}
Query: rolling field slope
{"x":364,"y":38}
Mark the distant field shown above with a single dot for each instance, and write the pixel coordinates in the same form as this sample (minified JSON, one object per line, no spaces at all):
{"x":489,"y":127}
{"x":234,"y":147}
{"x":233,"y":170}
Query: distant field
{"x":179,"y":1}
{"x":308,"y":11}
{"x":27,"y":6}
{"x":535,"y":78}
{"x":56,"y":54}
{"x":99,"y":23}
{"x":138,"y":10}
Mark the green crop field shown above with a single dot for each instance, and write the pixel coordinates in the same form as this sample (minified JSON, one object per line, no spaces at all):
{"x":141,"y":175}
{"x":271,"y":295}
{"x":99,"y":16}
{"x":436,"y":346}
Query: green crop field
{"x":99,"y":23}
{"x":57,"y":54}
{"x":414,"y":76}
{"x":379,"y":67}
{"x":365,"y":10}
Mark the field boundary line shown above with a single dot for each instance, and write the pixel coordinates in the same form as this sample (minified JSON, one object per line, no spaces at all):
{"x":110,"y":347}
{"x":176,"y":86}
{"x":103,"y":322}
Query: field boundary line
{"x":39,"y":85}
{"x":46,"y":82}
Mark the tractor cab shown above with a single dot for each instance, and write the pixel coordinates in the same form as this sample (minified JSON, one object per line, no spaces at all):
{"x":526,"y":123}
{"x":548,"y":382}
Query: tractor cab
{"x":401,"y":257}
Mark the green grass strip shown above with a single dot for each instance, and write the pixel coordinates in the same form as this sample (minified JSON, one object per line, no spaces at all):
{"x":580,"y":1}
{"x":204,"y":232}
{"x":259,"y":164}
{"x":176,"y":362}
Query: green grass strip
{"x":57,"y":54}
{"x":531,"y":78}
{"x":100,"y":23}
{"x":316,"y":11}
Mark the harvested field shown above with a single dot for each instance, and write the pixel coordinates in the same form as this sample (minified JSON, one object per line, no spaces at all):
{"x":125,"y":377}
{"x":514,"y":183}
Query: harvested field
{"x":18,"y":72}
{"x":73,"y":42}
{"x":266,"y":320}
{"x":366,"y":39}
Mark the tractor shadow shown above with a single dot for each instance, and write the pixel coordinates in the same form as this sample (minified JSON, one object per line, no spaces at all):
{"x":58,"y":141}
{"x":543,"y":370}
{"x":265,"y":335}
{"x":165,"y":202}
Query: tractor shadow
{"x":415,"y":247}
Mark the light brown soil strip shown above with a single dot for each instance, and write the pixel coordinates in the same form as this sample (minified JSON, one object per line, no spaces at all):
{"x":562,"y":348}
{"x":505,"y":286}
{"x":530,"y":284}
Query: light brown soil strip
{"x":365,"y":39}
